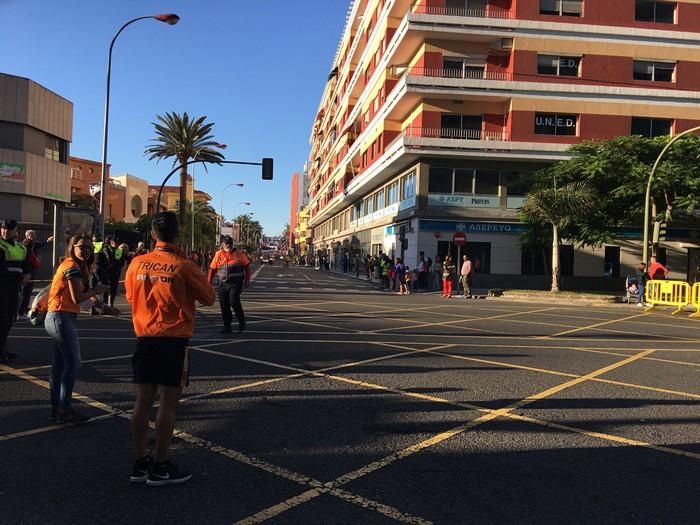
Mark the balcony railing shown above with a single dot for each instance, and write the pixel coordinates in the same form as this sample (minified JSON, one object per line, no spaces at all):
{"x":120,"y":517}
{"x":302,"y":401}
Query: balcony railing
{"x":489,"y":12}
{"x":467,"y":73}
{"x":456,"y":133}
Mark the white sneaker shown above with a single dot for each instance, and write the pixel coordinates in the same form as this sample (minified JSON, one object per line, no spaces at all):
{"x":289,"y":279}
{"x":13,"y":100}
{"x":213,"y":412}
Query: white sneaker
{"x":641,"y":305}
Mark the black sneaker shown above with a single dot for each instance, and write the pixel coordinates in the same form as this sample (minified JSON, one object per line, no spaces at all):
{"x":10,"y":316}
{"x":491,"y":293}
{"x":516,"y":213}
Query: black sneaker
{"x":241,"y":326}
{"x":166,"y":473}
{"x":71,"y":416}
{"x":139,"y":474}
{"x":226,"y":330}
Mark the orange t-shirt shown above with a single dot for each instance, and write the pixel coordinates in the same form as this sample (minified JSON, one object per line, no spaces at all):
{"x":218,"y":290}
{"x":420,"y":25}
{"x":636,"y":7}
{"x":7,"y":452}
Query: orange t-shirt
{"x":60,"y":299}
{"x":162,"y":287}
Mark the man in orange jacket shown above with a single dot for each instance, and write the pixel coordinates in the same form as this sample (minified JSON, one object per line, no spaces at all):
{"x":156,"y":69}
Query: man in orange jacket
{"x":233,"y":269}
{"x":162,"y":287}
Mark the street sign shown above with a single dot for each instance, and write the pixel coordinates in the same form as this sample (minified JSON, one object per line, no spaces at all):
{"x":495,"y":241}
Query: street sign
{"x":459,"y":238}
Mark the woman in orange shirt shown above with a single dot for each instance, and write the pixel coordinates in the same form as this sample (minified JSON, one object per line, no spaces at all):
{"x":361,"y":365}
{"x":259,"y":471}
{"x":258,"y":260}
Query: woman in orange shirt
{"x":69,"y":287}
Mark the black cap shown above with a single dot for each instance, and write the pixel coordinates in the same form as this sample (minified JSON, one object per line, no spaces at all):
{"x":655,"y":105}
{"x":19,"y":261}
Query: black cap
{"x":228,"y":239}
{"x":9,"y":224}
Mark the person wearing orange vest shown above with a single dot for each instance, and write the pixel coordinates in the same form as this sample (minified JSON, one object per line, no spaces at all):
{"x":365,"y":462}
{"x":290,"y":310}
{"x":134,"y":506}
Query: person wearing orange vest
{"x":162,"y":287}
{"x":233,"y":270}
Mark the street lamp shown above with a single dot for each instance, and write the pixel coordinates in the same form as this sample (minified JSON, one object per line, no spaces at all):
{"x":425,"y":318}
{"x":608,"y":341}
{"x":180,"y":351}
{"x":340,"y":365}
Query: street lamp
{"x":247,"y":229}
{"x":170,"y":19}
{"x":217,"y":145}
{"x":220,"y":215}
{"x":645,"y":248}
{"x":234,"y":213}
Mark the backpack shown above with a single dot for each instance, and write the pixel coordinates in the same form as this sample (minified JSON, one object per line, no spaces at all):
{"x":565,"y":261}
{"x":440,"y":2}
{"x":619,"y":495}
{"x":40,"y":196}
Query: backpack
{"x":40,"y":306}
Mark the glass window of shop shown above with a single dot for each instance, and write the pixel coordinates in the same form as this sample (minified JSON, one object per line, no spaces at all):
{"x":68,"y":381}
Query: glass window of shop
{"x":392,"y":193}
{"x":408,"y":186}
{"x":464,"y":181}
{"x":369,"y":205}
{"x":518,"y":183}
{"x":440,"y":180}
{"x":479,"y":254}
{"x":486,"y":182}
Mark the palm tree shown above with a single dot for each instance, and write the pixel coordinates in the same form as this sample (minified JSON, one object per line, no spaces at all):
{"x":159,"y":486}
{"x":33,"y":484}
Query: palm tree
{"x":183,"y":138}
{"x":558,"y":207}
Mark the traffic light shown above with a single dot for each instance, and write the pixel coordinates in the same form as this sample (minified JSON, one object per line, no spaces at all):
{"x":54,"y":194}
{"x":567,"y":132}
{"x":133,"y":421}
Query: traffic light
{"x":659,"y":232}
{"x":267,"y":169}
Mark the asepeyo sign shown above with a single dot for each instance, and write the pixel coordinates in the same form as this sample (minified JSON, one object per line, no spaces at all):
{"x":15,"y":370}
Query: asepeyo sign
{"x":463,"y":201}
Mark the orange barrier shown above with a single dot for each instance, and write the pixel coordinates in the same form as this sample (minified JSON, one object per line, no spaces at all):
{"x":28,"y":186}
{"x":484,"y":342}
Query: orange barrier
{"x":695,"y":300}
{"x":667,"y":293}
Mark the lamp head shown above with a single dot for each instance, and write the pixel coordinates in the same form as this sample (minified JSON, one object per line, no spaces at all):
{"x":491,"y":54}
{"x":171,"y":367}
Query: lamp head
{"x":169,"y":18}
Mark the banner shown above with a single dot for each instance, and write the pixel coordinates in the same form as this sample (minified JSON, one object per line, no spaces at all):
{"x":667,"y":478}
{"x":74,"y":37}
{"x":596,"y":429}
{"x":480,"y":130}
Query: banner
{"x":11,"y":171}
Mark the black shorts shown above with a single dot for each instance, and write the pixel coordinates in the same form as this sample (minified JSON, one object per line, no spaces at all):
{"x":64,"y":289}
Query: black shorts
{"x":161,"y":361}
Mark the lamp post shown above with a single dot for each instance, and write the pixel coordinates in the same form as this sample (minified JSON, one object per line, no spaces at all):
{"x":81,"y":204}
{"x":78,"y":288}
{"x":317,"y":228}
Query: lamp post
{"x":645,"y":247}
{"x":247,"y":230}
{"x":220,"y":215}
{"x":234,"y":215}
{"x":168,"y":18}
{"x":220,"y":146}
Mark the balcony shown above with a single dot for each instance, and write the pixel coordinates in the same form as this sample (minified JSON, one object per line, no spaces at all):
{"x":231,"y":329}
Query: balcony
{"x":488,"y":11}
{"x":463,"y":73}
{"x":459,"y":134}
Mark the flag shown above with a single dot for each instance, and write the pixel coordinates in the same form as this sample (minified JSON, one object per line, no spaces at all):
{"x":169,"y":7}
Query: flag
{"x":95,"y":188}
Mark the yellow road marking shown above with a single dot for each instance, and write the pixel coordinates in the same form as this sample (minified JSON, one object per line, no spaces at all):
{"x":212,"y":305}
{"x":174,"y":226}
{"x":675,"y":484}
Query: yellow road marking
{"x":589,"y":327}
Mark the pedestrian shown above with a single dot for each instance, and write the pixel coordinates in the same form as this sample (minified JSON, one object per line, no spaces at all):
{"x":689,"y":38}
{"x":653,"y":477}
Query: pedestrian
{"x":15,"y":271}
{"x":421,"y":269}
{"x":437,"y":273}
{"x":162,"y":287}
{"x":642,"y":278}
{"x":32,"y":245}
{"x":400,"y":274}
{"x":465,"y":276}
{"x":233,"y":269}
{"x":657,"y":271}
{"x":448,"y":275}
{"x":111,"y":270}
{"x":70,"y":286}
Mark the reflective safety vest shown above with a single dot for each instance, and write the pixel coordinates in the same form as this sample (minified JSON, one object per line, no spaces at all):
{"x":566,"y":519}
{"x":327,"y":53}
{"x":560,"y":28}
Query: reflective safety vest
{"x":15,"y":254}
{"x":97,"y":247}
{"x":230,"y":267}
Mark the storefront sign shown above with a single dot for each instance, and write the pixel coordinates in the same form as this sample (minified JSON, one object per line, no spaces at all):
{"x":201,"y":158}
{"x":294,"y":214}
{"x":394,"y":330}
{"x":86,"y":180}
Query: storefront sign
{"x":463,"y":201}
{"x":13,"y":172}
{"x":474,"y":227}
{"x":514,"y":203}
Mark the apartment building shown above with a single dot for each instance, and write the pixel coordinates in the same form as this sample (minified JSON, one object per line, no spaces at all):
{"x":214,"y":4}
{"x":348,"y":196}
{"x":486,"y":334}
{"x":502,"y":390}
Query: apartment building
{"x":36,"y":127}
{"x":435,"y":114}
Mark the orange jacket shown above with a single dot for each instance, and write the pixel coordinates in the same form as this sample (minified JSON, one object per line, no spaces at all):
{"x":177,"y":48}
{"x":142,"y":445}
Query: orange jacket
{"x":162,"y":287}
{"x":234,"y":265}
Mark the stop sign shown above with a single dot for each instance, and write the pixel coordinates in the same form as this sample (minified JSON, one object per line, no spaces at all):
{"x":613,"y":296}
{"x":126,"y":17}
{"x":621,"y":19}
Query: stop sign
{"x":459,"y":239}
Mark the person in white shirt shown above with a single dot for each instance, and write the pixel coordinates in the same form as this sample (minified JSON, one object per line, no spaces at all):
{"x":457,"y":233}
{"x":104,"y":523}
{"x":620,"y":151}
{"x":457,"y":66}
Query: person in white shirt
{"x":465,"y":276}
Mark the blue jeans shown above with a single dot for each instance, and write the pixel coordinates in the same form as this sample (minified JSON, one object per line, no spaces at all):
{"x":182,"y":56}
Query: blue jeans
{"x":66,"y":357}
{"x":640,"y":297}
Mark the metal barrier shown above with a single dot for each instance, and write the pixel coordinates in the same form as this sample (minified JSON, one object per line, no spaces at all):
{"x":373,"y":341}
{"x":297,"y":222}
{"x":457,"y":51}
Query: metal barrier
{"x":695,"y":300}
{"x":667,"y":293}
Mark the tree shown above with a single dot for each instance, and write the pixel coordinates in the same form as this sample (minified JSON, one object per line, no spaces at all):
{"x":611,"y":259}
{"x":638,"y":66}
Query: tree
{"x":558,"y":207}
{"x":204,"y":224}
{"x":619,"y":169}
{"x":87,"y":202}
{"x":249,"y":229}
{"x":182,"y":138}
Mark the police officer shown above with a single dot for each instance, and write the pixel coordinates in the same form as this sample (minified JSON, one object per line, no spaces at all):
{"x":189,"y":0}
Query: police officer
{"x":14,"y":272}
{"x":233,"y":269}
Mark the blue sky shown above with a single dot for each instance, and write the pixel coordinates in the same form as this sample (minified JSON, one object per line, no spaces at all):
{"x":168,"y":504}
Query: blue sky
{"x":256,"y":68}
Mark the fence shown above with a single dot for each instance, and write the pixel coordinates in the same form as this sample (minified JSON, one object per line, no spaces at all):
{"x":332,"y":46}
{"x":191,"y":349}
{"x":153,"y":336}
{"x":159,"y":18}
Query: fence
{"x":669,"y":293}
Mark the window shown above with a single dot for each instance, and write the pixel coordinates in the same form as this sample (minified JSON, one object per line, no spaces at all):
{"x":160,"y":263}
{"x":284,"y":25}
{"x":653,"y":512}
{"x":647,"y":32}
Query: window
{"x":380,"y":200}
{"x":651,"y":127}
{"x":555,"y":124}
{"x":440,"y":180}
{"x":486,"y":182}
{"x":462,"y":67}
{"x":517,"y":183}
{"x":561,"y":7}
{"x":408,"y":186}
{"x":455,"y":126}
{"x":369,"y":205}
{"x":392,"y":193}
{"x":464,"y":181}
{"x":654,"y":11}
{"x":654,"y":71}
{"x":558,"y":65}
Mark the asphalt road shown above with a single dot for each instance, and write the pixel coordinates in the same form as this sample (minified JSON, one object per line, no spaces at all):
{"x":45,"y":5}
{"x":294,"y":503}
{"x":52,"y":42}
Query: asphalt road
{"x":344,"y":404}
